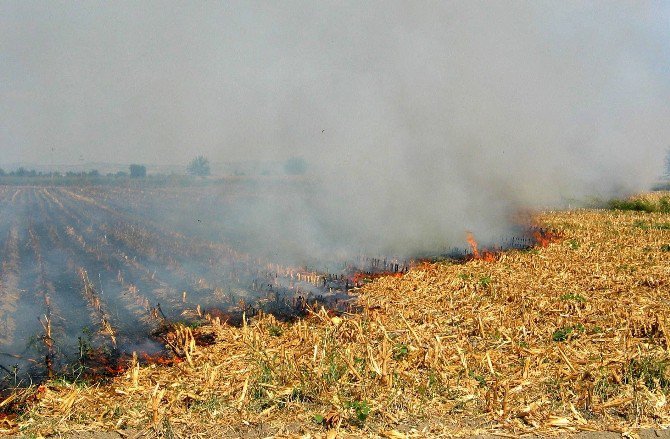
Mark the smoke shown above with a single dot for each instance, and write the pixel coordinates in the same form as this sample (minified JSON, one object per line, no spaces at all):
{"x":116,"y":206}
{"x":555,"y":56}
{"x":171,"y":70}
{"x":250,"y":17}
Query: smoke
{"x":418,"y":120}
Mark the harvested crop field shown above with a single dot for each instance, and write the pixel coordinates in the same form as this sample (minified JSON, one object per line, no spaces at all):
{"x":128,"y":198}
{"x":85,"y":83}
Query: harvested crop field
{"x":87,"y":278}
{"x":568,"y":337}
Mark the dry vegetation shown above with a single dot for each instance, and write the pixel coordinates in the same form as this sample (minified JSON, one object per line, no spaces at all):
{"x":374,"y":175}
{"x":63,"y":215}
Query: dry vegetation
{"x":81,"y":279}
{"x":573,"y":336}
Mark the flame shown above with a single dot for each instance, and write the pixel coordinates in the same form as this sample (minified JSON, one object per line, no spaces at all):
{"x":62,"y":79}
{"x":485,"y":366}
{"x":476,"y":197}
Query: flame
{"x":545,"y":237}
{"x":160,"y":359}
{"x":426,"y":265}
{"x":117,"y":369}
{"x":473,"y":245}
{"x":485,"y":255}
{"x":489,"y":256}
{"x":100,"y":365}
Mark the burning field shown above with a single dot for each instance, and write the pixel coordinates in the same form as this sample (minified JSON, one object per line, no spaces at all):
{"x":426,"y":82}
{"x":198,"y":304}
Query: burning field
{"x":322,"y":218}
{"x":87,"y":279}
{"x":570,"y":335}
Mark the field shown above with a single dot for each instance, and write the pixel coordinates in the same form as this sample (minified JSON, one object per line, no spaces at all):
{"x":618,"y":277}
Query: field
{"x":88,"y":276}
{"x":568,"y":336}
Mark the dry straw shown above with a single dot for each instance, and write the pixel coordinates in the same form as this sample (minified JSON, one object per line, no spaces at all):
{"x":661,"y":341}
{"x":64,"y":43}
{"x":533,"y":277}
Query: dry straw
{"x":569,"y":337}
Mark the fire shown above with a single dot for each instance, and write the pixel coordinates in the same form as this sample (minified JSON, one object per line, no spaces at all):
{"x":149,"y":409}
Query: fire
{"x":489,"y":256}
{"x":485,"y":255}
{"x":114,"y":370}
{"x":545,"y":237}
{"x":100,"y":365}
{"x":160,"y":359}
{"x":425,"y":265}
{"x":473,"y":245}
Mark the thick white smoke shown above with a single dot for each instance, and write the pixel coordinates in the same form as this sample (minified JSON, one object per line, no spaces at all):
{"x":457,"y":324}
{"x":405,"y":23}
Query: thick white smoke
{"x":419,"y":120}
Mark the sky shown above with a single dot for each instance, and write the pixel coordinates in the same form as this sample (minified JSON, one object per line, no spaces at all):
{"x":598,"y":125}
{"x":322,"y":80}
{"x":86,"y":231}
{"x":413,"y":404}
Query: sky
{"x":349,"y":82}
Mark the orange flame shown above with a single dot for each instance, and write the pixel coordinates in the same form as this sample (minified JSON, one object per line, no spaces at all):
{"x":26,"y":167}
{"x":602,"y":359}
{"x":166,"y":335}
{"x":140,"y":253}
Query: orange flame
{"x":545,"y":237}
{"x":473,"y":245}
{"x":100,"y":365}
{"x":114,"y":370}
{"x":160,"y":359}
{"x":487,"y":256}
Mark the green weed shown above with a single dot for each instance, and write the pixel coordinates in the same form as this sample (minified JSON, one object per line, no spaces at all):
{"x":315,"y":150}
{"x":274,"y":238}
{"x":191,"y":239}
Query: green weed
{"x":566,"y":332}
{"x":641,"y":225}
{"x":275,"y":331}
{"x":361,"y":409}
{"x":605,"y":389}
{"x":651,"y":370}
{"x":573,"y":296}
{"x":597,"y":330}
{"x":479,"y":378}
{"x":400,"y":351}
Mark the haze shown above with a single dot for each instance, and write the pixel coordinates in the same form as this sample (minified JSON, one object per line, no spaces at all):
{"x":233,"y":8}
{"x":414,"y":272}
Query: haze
{"x":424,"y":119}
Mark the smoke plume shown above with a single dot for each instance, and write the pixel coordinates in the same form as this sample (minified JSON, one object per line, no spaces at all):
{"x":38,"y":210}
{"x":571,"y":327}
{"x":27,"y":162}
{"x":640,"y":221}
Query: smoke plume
{"x":419,"y":120}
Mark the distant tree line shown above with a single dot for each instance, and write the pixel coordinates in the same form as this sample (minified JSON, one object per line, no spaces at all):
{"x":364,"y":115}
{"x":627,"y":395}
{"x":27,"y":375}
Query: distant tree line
{"x":135,"y":171}
{"x":21,"y":172}
{"x":138,"y":171}
{"x":31,"y":173}
{"x":198,"y":167}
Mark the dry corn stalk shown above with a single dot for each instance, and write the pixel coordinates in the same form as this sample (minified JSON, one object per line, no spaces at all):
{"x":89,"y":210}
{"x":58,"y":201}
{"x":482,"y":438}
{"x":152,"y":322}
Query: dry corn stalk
{"x":154,"y":403}
{"x":182,"y":342}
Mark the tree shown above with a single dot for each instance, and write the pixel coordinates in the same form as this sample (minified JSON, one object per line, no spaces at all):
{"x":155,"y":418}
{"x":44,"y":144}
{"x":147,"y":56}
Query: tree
{"x":295,"y":166}
{"x":199,"y":166}
{"x":138,"y":171}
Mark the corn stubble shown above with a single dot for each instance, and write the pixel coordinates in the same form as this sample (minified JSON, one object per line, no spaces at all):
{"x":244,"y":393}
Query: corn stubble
{"x":568,"y":337}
